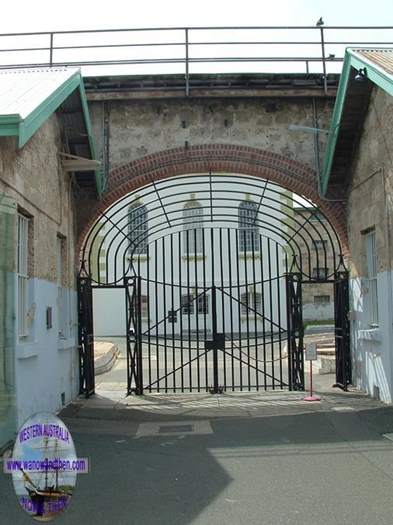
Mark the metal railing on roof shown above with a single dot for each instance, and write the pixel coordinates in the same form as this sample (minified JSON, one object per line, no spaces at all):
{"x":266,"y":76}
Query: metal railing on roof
{"x":307,"y":49}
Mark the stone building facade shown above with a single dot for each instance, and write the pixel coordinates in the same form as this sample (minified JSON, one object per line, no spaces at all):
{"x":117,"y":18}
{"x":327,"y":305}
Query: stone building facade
{"x":38,"y":306}
{"x":370,"y":216}
{"x":359,"y":163}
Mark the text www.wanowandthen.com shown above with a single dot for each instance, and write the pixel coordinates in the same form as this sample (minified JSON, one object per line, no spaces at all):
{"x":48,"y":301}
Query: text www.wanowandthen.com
{"x":79,"y":465}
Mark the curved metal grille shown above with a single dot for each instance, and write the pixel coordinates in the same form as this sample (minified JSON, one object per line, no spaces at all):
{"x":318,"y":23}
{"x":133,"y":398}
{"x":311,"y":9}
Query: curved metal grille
{"x":115,"y":245}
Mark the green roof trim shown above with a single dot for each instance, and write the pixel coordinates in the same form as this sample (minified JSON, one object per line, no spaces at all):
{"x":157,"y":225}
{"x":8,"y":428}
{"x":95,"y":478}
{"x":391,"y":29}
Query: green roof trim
{"x":29,"y":125}
{"x":99,"y":174}
{"x":24,"y":129}
{"x":377,"y":75}
{"x":9,"y":125}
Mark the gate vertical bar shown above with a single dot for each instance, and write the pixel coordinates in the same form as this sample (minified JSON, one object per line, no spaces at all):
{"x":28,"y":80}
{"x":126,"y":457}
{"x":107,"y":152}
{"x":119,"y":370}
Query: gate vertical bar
{"x":214,"y":333}
{"x":138,"y":340}
{"x":130,"y":336}
{"x":295,"y":331}
{"x":85,"y":337}
{"x":132,"y":287}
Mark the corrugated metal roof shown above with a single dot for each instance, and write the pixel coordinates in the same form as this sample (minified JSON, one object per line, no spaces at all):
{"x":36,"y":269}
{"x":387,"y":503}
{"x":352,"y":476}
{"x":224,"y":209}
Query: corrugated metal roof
{"x":381,"y":57}
{"x":22,"y":91}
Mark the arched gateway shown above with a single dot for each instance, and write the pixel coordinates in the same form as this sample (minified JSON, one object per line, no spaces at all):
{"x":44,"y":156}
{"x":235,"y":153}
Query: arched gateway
{"x":211,"y":266}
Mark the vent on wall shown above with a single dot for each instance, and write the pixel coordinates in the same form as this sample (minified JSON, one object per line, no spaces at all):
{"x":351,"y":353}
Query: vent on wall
{"x":48,"y":317}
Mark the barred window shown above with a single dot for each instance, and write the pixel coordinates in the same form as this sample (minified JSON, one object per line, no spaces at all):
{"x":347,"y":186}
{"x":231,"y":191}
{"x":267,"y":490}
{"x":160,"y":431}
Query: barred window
{"x":144,"y":306}
{"x":137,"y":228}
{"x":248,"y":230}
{"x":192,"y":225}
{"x":203,"y":304}
{"x":321,"y":299}
{"x":320,"y":273}
{"x":317,"y":217}
{"x":188,"y":304}
{"x":23,"y":278}
{"x":371,"y":298}
{"x":320,"y":244}
{"x":251,"y":302}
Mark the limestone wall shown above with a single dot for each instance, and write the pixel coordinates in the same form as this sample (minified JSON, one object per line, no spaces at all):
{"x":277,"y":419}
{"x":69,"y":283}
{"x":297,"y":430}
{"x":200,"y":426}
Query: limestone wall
{"x":140,"y":127}
{"x":370,"y":200}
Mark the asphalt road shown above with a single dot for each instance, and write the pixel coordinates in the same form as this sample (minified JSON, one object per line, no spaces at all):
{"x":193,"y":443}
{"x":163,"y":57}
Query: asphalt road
{"x":238,"y":459}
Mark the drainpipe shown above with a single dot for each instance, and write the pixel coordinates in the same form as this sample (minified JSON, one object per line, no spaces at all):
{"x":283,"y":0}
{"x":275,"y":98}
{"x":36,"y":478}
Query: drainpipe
{"x":317,"y":155}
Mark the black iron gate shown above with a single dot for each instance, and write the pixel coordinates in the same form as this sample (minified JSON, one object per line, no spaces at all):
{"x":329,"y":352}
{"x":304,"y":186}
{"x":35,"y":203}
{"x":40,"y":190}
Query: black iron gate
{"x":193,"y":338}
{"x":212,"y":268}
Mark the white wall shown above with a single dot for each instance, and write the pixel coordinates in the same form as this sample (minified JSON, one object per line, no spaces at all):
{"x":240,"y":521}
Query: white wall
{"x":372,"y":347}
{"x":109,"y":312}
{"x":168,"y":246}
{"x":46,"y":365}
{"x":318,"y":312}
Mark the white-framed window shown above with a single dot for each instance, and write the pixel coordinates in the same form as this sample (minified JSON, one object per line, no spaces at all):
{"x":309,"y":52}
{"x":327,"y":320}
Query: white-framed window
{"x":192,"y":226}
{"x":320,"y":272}
{"x":371,"y":297}
{"x":248,"y":230}
{"x":188,"y":303}
{"x":321,"y":299}
{"x":250,"y":303}
{"x":144,"y":306}
{"x":22,"y":275}
{"x":317,"y":216}
{"x":320,"y":244}
{"x":203,"y":304}
{"x":138,"y":228}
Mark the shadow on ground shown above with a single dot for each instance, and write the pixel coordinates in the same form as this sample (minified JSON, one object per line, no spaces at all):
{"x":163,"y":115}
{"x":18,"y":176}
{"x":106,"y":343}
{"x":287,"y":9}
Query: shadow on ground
{"x":316,"y":467}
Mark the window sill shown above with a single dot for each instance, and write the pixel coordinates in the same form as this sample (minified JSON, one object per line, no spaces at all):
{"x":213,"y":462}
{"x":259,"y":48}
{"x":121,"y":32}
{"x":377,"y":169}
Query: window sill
{"x":249,"y":255}
{"x":66,"y":343}
{"x":191,"y":257}
{"x":137,"y":257}
{"x":26,"y":350}
{"x":371,"y":334}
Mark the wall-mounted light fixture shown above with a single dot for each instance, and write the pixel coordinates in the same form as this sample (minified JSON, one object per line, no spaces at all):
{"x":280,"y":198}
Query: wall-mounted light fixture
{"x":361,"y":75}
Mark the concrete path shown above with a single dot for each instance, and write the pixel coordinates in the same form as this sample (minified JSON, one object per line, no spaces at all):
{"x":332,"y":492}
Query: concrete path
{"x":105,"y":355}
{"x":231,"y":459}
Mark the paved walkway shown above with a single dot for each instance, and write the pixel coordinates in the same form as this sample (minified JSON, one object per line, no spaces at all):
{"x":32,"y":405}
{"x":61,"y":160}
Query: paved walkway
{"x":235,"y":458}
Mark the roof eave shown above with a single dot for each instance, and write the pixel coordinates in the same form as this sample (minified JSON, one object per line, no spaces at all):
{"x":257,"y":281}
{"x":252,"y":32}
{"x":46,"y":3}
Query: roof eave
{"x":24,"y":128}
{"x":9,"y":125}
{"x":99,"y":178}
{"x":32,"y":122}
{"x":376,"y":75}
{"x":335,"y":123}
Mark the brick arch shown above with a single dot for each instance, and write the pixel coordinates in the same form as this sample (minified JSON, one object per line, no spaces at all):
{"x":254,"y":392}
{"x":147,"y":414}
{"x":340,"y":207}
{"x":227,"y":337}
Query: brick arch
{"x":219,"y":158}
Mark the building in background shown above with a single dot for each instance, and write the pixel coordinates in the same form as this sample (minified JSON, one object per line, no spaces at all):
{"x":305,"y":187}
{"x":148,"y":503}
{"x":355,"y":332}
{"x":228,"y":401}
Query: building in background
{"x":318,"y":298}
{"x":187,"y":254}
